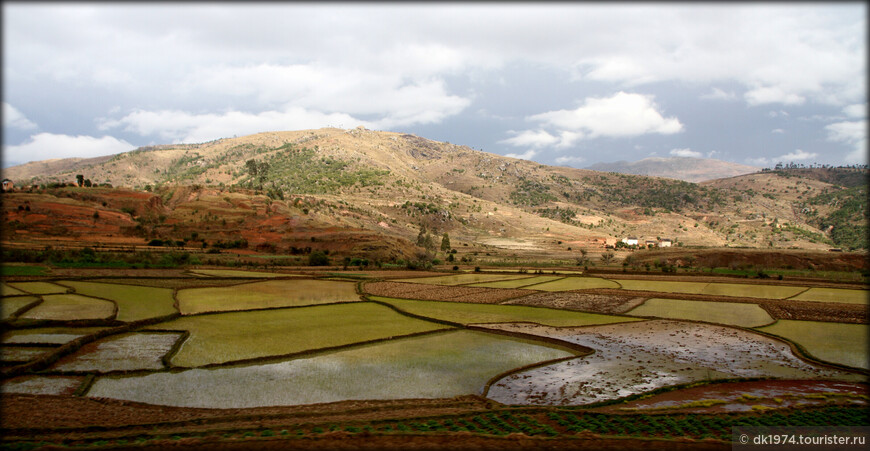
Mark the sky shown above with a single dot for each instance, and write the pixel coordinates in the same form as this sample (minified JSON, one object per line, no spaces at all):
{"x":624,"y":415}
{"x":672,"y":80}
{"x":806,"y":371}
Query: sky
{"x":569,"y":84}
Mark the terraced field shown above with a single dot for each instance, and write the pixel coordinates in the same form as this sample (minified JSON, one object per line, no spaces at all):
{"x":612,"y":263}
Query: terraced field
{"x":437,"y":365}
{"x":745,"y":315}
{"x":65,"y":307}
{"x":134,"y":302}
{"x":10,"y":305}
{"x":846,"y":344}
{"x":460,"y":279}
{"x":488,"y":313}
{"x":835,"y":295}
{"x":38,"y":287}
{"x":228,"y":337}
{"x":269,"y":294}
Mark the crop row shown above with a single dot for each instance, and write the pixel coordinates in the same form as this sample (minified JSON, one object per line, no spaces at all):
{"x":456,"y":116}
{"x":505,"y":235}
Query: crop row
{"x":544,"y":423}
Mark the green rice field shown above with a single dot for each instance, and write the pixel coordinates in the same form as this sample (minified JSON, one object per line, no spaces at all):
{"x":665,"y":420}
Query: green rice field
{"x":437,"y":365}
{"x":731,"y":313}
{"x":835,"y":295}
{"x":6,"y":290}
{"x":492,"y":313}
{"x":8,"y":306}
{"x":38,"y":287}
{"x":662,"y":286}
{"x":268,"y":294}
{"x":846,"y":344}
{"x":574,"y":283}
{"x":227,"y":337}
{"x":752,"y":291}
{"x":460,"y":279}
{"x":516,"y":283}
{"x":63,"y":307}
{"x":134,"y":302}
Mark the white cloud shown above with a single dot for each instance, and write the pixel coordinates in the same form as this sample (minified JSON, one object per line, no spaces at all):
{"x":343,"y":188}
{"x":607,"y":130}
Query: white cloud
{"x":797,"y":155}
{"x":853,"y":133}
{"x":568,"y":161}
{"x":772,"y":94}
{"x":718,"y":94}
{"x":778,"y":131}
{"x":857,"y":110}
{"x":46,"y":146}
{"x":533,"y":138}
{"x":622,"y":114}
{"x":758,"y":161}
{"x":686,"y":153}
{"x":15,"y":119}
{"x":713,"y":153}
{"x":181,"y":126}
{"x":527,"y":155}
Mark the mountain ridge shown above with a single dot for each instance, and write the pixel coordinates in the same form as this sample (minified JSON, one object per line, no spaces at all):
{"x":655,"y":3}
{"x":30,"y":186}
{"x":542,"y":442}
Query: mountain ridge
{"x":689,"y":169}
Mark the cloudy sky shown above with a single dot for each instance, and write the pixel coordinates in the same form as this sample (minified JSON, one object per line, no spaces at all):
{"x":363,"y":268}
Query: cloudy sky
{"x":561,"y":83}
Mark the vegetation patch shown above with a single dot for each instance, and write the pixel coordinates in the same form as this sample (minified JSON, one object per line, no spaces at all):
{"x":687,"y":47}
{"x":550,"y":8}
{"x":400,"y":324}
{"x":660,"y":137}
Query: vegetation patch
{"x":134,"y":302}
{"x":834,"y":295}
{"x":64,"y":307}
{"x":38,"y":287}
{"x":488,"y":313}
{"x":228,"y":337}
{"x":517,"y":283}
{"x":460,"y":279}
{"x":846,"y":344}
{"x":751,"y":291}
{"x":22,"y":270}
{"x":269,"y":294}
{"x":127,"y":352}
{"x":437,"y":365}
{"x":574,"y":283}
{"x":745,"y":315}
{"x":8,"y":306}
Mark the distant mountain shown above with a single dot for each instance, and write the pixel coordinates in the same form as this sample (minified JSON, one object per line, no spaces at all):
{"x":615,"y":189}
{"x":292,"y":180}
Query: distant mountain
{"x":680,"y":168}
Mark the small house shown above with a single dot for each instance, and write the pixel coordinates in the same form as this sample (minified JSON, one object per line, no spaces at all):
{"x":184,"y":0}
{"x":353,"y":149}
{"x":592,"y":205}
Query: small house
{"x":651,"y":243}
{"x":8,"y":185}
{"x":665,"y":242}
{"x":630,"y":241}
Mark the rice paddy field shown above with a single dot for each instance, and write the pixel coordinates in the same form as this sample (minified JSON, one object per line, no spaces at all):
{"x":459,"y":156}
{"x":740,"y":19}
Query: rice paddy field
{"x":835,"y":295}
{"x":134,"y":302}
{"x":38,"y":287}
{"x":228,"y":337}
{"x":745,"y":315}
{"x":269,"y":294}
{"x":10,"y":305}
{"x":487,"y":313}
{"x":436,"y":365}
{"x":65,"y":307}
{"x":234,"y":339}
{"x":846,"y":344}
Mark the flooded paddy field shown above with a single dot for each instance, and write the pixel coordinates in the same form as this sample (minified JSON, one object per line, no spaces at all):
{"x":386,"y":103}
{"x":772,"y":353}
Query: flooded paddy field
{"x":126,"y":352}
{"x":633,"y":358}
{"x":436,"y":365}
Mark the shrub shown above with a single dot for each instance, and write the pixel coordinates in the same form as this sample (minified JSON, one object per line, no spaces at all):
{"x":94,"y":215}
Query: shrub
{"x":318,"y":258}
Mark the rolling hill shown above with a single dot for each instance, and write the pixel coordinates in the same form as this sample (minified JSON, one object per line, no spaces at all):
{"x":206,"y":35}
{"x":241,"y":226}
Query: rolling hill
{"x":366,"y":193}
{"x":680,"y":168}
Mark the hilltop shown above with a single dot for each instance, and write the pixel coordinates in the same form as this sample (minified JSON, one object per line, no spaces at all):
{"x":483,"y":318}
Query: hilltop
{"x":681,"y":168}
{"x":367,"y":193}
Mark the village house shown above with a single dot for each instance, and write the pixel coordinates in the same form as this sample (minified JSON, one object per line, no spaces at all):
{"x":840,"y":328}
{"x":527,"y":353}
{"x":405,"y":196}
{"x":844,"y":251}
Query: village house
{"x":665,"y":242}
{"x":651,"y":243}
{"x":630,"y":241}
{"x":8,"y":185}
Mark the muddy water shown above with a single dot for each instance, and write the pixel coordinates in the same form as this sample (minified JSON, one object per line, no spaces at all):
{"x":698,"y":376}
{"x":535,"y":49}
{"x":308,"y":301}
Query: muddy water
{"x":632,"y":358}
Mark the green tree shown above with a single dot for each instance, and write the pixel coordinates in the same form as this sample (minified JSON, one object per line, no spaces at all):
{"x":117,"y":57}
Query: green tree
{"x":445,"y":242}
{"x":80,"y":179}
{"x":318,"y":258}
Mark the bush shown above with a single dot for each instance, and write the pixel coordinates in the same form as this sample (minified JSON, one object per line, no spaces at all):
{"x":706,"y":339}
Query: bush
{"x":155,"y":242}
{"x":477,"y":269}
{"x":456,"y":268}
{"x":318,"y":258}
